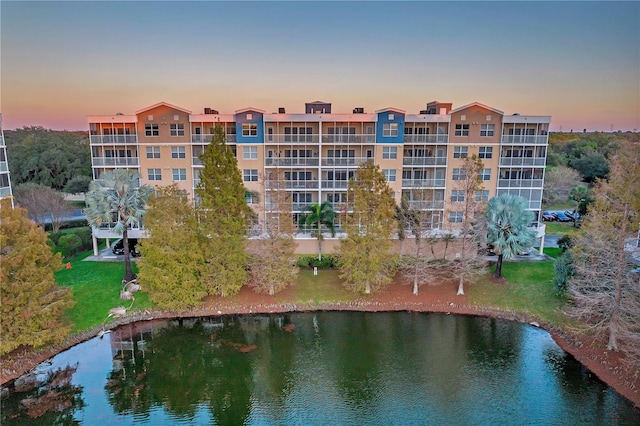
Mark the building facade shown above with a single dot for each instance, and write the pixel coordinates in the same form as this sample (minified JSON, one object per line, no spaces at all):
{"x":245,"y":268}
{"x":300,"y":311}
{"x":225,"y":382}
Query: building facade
{"x":5,"y":178}
{"x":318,"y":151}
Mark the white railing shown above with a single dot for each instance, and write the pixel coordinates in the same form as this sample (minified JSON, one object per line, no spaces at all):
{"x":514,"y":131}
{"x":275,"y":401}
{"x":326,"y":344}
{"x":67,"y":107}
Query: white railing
{"x":524,"y":139}
{"x":357,"y":138}
{"x":335,"y":184}
{"x":207,"y":137}
{"x":115,"y":161}
{"x":291,"y":161}
{"x":5,"y":191}
{"x":520,"y":183}
{"x":344,"y":162}
{"x":519,"y":161}
{"x":426,"y":138}
{"x":113,"y":139}
{"x":423,"y":183}
{"x":426,"y":205}
{"x":293,"y":184}
{"x":3,"y":166}
{"x":280,"y":138}
{"x":424,"y":161}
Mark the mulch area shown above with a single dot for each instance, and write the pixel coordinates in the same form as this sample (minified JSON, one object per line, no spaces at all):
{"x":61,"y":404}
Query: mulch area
{"x":607,"y":365}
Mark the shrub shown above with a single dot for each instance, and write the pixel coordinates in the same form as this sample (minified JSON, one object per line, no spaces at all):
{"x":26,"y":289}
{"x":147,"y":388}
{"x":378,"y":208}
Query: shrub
{"x":565,"y":242}
{"x":69,"y":244}
{"x":55,"y":236}
{"x":85,"y":236}
{"x":311,"y":260}
{"x":563,"y":271}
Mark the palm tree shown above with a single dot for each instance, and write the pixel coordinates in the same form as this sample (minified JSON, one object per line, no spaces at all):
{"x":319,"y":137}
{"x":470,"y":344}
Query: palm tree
{"x":118,"y":197}
{"x":318,"y":215}
{"x":507,"y":227}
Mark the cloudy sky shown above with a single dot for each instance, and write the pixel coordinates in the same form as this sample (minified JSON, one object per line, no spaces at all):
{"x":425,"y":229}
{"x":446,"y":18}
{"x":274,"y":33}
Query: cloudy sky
{"x":576,"y":61}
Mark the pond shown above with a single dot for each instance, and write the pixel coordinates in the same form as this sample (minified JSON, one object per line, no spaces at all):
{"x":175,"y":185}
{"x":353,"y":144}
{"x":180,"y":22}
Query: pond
{"x":319,"y":368}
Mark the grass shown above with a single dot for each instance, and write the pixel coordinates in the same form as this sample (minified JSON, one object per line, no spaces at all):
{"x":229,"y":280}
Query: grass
{"x":561,"y":228}
{"x":566,"y":205}
{"x":96,"y":289}
{"x":326,"y":287}
{"x":529,"y":289}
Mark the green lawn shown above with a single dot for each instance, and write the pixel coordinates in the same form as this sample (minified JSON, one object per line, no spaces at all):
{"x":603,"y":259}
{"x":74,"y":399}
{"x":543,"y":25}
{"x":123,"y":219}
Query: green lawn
{"x":528,"y":289}
{"x":96,"y":289}
{"x":326,"y":287}
{"x":561,"y":228}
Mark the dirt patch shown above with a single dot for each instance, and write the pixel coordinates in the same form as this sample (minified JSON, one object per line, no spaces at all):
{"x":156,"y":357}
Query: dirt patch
{"x":607,"y":365}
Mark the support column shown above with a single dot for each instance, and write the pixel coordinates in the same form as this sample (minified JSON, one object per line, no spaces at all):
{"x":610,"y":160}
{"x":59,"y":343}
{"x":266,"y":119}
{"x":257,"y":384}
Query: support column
{"x":95,"y":245}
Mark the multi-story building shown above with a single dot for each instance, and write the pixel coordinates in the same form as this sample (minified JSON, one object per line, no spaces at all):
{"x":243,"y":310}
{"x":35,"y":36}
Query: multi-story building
{"x":5,"y":178}
{"x":318,"y":151}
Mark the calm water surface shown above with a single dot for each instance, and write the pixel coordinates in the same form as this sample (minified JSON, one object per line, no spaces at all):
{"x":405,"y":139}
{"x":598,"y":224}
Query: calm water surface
{"x":321,"y":368}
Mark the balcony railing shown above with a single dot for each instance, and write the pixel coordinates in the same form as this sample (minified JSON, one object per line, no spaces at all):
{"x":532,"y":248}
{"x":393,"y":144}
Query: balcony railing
{"x":520,"y":183}
{"x":293,"y":184}
{"x":195,"y":161}
{"x":291,"y":162}
{"x":113,"y":139}
{"x":1,"y":140}
{"x":520,"y":161}
{"x":286,"y":139}
{"x":206,"y":138}
{"x":424,"y":161}
{"x":3,"y":166}
{"x":426,"y":205}
{"x":422,"y":183}
{"x":335,"y":184}
{"x":115,"y":161}
{"x":357,"y":138}
{"x":524,"y":139}
{"x":426,"y":138}
{"x":5,"y":191}
{"x":344,"y":162}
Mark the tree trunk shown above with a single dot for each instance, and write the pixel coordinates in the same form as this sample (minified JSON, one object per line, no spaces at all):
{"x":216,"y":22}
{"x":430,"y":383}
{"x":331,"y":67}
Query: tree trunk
{"x":128,"y":273}
{"x":367,"y":288}
{"x":498,"y":273}
{"x":319,"y":242}
{"x":461,"y":287}
{"x":613,"y":322}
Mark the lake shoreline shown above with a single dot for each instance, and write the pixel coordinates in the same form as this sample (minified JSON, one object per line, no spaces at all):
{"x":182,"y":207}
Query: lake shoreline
{"x":606,"y":365}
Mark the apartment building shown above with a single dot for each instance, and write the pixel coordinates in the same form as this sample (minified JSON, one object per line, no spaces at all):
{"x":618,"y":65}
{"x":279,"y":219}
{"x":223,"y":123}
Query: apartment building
{"x":317,"y":151}
{"x":5,"y":178}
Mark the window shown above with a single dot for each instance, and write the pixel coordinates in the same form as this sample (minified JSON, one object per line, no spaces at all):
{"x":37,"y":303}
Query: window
{"x":249,"y":129}
{"x":457,"y":196}
{"x":154,"y":174}
{"x":459,"y":174}
{"x":482,"y":195}
{"x":485,"y":174}
{"x":178,"y":152}
{"x":251,"y":197}
{"x":485,"y":152}
{"x":390,"y":129}
{"x":486,"y":129}
{"x":460,"y":151}
{"x":179,"y":174}
{"x":390,"y":175}
{"x":250,"y":175}
{"x":250,"y":152}
{"x":462,"y":130}
{"x":177,"y":130}
{"x":455,"y":217}
{"x":151,"y":130}
{"x":153,"y":152}
{"x":389,"y":152}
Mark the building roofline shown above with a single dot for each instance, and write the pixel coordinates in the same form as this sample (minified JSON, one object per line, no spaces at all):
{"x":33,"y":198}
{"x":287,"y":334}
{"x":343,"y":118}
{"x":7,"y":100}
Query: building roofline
{"x":167,"y":104}
{"x":476,"y":104}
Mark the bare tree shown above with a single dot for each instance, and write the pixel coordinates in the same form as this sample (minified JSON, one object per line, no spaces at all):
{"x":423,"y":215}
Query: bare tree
{"x":42,"y":202}
{"x":605,"y":293}
{"x":558,"y":183}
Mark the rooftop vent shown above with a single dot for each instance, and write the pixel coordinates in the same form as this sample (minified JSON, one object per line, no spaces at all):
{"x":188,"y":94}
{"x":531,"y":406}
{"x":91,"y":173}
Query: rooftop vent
{"x":424,"y":111}
{"x":210,"y":111}
{"x":281,"y":110}
{"x":516,"y":113}
{"x":358,"y":110}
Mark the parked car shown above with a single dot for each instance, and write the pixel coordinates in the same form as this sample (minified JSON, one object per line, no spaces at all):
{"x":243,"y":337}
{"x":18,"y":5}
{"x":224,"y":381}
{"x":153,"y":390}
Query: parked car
{"x":573,"y":215}
{"x":548,"y":217}
{"x":561,"y":217}
{"x":118,"y":247}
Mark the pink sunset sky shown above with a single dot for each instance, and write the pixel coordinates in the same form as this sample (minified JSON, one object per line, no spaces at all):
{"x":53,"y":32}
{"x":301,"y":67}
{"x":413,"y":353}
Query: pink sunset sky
{"x":576,"y":61}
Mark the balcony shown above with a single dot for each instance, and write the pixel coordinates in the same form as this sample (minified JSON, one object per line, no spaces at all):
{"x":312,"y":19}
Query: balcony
{"x":293,"y":184}
{"x":524,"y":139}
{"x":115,"y":161}
{"x":291,"y":162}
{"x":424,"y":161}
{"x":335,"y":184}
{"x":350,"y":139}
{"x":426,"y":138}
{"x":1,"y":140}
{"x":207,"y":138}
{"x":426,"y":205}
{"x":423,"y":183}
{"x":344,"y":162}
{"x":3,"y":166}
{"x":5,"y":191}
{"x":520,"y":161}
{"x":520,"y":183}
{"x":292,"y":139}
{"x":113,"y":139}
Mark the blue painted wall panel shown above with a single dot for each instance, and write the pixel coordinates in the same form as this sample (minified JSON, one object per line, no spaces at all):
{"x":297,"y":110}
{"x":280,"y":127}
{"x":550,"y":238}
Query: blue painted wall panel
{"x":383,"y":118}
{"x":257,"y":119}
